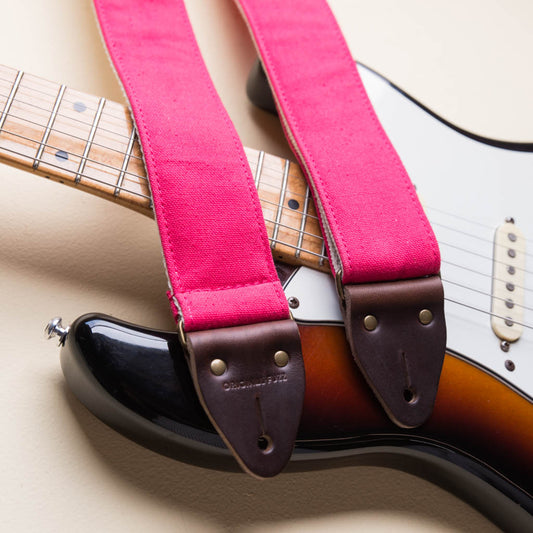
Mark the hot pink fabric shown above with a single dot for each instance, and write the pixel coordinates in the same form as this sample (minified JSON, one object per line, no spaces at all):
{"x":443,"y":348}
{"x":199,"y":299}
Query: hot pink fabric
{"x":369,"y":203}
{"x":214,"y":240}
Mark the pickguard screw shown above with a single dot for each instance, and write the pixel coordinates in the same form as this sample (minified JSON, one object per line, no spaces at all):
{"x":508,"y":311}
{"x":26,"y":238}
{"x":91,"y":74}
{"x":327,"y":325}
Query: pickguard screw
{"x":294,"y":303}
{"x":218,"y":367}
{"x":509,"y":220}
{"x":281,"y":358}
{"x":509,"y":365}
{"x":505,"y":346}
{"x":370,"y":322}
{"x":425,"y":316}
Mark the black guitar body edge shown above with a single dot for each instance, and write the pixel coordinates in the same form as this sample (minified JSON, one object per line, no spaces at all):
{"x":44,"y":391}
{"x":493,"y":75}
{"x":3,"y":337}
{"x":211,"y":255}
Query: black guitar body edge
{"x":260,"y":94}
{"x":137,"y":381}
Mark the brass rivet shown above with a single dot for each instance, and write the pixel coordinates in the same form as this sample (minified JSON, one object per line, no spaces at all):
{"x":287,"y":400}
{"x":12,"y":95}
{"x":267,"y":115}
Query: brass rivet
{"x":425,"y":316}
{"x":218,"y":367}
{"x":281,"y":358}
{"x":370,"y":322}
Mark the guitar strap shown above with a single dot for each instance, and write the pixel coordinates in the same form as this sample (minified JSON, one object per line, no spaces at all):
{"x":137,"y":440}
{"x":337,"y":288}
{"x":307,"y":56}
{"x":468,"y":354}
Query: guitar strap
{"x":244,"y":350}
{"x":383,"y":252}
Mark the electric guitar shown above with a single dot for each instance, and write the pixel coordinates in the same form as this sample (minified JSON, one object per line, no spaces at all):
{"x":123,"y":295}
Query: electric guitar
{"x":475,"y":192}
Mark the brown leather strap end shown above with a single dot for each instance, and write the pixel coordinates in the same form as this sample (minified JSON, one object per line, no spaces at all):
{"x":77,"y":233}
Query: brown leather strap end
{"x":251,"y":382}
{"x":397,"y":334}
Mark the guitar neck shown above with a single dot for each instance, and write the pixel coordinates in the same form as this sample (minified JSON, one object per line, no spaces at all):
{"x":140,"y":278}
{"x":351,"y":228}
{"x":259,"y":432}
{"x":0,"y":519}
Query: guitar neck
{"x":90,"y":143}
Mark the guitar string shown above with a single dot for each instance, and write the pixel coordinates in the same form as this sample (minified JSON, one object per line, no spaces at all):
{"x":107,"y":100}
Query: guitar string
{"x":106,"y":165}
{"x":465,"y":219}
{"x":124,"y":122}
{"x":505,"y":300}
{"x":31,"y":79}
{"x":59,"y":114}
{"x":273,"y":203}
{"x":83,"y":175}
{"x":126,"y":172}
{"x":307,"y":251}
{"x":279,"y":224}
{"x":483,"y":239}
{"x":54,"y":94}
{"x":492,"y":260}
{"x":142,"y":177}
{"x":311,"y":235}
{"x":277,"y":171}
{"x":311,"y":216}
{"x":71,"y":136}
{"x":490,"y":313}
{"x":490,"y":276}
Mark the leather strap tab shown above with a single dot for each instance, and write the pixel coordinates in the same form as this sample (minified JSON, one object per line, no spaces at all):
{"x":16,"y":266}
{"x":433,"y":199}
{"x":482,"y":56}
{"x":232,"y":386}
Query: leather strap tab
{"x":397,"y":334}
{"x":250,"y":380}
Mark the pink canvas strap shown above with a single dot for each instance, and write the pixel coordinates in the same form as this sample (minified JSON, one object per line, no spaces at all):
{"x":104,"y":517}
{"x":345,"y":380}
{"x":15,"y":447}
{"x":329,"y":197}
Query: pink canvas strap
{"x":223,"y":285}
{"x":375,"y":227}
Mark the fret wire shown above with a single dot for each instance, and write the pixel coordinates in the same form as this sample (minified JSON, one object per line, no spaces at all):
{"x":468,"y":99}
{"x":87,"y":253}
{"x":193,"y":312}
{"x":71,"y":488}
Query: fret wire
{"x":303,"y":221}
{"x":46,"y":134}
{"x":86,"y":176}
{"x":125,"y":163}
{"x":92,"y":133}
{"x":280,"y":203}
{"x":259,"y":169}
{"x":101,"y":163}
{"x":70,"y":135}
{"x":323,"y":254}
{"x":10,"y":98}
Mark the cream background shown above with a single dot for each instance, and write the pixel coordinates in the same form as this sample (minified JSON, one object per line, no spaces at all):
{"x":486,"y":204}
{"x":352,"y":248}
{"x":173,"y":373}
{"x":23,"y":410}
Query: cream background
{"x":63,"y":252}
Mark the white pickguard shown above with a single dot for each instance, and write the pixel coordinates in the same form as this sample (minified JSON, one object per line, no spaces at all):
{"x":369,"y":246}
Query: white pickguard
{"x":468,"y":189}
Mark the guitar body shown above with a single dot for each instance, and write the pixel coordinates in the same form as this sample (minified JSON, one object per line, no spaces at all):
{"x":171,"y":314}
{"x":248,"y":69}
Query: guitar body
{"x":478,"y":439}
{"x":137,"y":381}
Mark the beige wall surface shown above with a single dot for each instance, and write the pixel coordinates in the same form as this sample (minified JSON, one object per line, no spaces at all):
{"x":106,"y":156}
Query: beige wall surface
{"x":65,"y":252}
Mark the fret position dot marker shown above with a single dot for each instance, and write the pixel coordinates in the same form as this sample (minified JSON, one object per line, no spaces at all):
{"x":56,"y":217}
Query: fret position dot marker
{"x":80,"y":107}
{"x":62,"y":155}
{"x":293,"y":204}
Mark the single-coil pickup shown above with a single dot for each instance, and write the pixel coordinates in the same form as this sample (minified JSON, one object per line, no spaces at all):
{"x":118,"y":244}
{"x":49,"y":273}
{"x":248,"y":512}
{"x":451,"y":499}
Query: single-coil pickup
{"x":508,"y":279}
